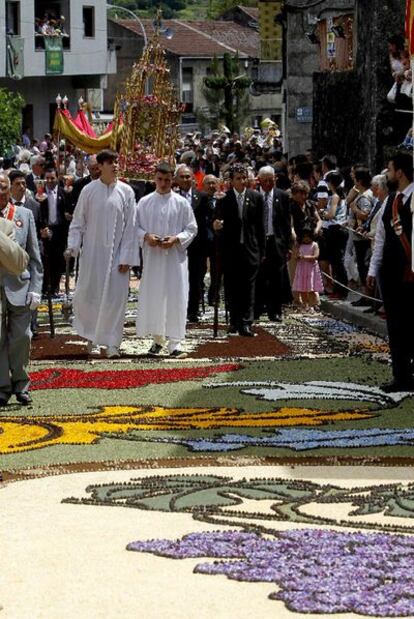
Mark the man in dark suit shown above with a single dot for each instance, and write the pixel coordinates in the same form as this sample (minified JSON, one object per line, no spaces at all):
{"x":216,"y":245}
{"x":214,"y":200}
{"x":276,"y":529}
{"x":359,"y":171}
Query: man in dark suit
{"x":38,"y":164}
{"x":197,"y":251}
{"x":54,"y":231}
{"x":240,"y":216}
{"x":391,"y":262}
{"x":273,"y":285}
{"x":73,"y":193}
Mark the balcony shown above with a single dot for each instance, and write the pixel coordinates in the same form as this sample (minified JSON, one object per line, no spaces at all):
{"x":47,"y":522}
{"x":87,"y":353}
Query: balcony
{"x":52,"y":19}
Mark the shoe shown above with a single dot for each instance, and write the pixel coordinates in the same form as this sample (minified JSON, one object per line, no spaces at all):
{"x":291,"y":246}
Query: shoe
{"x":395,"y":386}
{"x":275,"y":318}
{"x":3,"y":402}
{"x":246,"y":332}
{"x":361,"y":303}
{"x":112,"y":352}
{"x":232,"y":330}
{"x":24,"y":398}
{"x":155,"y":350}
{"x":93,"y":349}
{"x":192,"y":318}
{"x":178,"y":354}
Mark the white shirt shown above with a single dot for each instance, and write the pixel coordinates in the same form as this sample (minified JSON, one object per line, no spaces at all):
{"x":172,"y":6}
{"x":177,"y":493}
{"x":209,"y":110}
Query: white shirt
{"x":188,"y":195}
{"x":19,"y":202}
{"x":240,"y":201}
{"x":376,"y":258}
{"x":52,"y":204}
{"x":269,"y":223}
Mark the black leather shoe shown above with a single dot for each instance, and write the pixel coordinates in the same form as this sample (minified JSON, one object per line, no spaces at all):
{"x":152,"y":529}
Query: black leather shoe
{"x":275,"y":318}
{"x":395,"y":386}
{"x":24,"y":398}
{"x":361,"y":303}
{"x":3,"y":402}
{"x":232,"y":330}
{"x":246,"y":332}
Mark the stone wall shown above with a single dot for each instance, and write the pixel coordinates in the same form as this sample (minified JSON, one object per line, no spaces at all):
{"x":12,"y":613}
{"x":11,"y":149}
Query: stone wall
{"x":302,"y":61}
{"x":337,"y":121}
{"x":352,"y":110}
{"x":376,"y":20}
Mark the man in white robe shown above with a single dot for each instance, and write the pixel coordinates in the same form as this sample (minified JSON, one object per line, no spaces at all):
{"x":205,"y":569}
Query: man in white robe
{"x":166,"y":226}
{"x":103,"y":231}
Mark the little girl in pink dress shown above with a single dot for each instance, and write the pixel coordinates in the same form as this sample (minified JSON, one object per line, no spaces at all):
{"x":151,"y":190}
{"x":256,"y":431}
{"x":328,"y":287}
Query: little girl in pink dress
{"x":308,"y":279}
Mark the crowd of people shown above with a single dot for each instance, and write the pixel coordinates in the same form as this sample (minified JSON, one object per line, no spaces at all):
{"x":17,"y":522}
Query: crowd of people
{"x":269,"y":231}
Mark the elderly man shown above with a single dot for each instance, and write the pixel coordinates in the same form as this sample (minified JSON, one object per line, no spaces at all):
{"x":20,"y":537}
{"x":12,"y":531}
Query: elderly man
{"x":197,"y":252}
{"x":19,"y":295}
{"x":38,"y":165}
{"x":273,"y":286}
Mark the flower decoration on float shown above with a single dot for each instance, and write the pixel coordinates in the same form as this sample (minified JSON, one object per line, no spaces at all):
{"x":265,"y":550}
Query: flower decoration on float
{"x":149,"y":113}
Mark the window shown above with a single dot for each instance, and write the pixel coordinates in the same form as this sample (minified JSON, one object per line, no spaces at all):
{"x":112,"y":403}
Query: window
{"x":13,"y":18}
{"x":52,"y":17}
{"x":88,"y":13}
{"x":187,"y":94}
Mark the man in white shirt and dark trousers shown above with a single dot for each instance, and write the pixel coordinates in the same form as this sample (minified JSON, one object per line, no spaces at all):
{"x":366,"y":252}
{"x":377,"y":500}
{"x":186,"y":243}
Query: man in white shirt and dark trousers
{"x":391,"y":262}
{"x":54,"y":231}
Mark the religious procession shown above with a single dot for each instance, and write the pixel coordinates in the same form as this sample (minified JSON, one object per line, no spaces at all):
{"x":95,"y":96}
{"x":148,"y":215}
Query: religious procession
{"x":207,"y":300}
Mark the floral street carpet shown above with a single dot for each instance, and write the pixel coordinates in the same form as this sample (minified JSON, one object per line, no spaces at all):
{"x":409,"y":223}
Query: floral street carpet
{"x":270,"y":470}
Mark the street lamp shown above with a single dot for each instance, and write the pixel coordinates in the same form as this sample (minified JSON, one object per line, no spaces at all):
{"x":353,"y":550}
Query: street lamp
{"x":122,"y":8}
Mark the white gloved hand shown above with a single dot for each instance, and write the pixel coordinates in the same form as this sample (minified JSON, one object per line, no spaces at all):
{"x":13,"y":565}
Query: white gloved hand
{"x":33,"y":300}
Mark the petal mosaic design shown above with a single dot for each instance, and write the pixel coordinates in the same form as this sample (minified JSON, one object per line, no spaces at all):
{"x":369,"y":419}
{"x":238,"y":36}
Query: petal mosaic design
{"x":317,"y":570}
{"x":322,"y":572}
{"x":23,"y":433}
{"x":63,"y":378}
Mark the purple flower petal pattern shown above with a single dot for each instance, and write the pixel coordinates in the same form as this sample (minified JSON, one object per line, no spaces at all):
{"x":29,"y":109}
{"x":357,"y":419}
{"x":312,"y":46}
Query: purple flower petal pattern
{"x":317,"y":571}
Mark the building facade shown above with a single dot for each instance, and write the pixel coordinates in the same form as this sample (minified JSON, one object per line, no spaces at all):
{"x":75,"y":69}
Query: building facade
{"x":77,"y":63}
{"x":190,"y":51}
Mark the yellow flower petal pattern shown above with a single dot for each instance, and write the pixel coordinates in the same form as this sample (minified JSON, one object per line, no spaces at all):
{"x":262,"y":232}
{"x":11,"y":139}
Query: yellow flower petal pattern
{"x":24,"y":434}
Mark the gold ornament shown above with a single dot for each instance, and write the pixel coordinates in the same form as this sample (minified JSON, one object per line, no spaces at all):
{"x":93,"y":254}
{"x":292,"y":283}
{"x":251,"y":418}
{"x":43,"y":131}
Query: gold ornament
{"x":148,"y":113}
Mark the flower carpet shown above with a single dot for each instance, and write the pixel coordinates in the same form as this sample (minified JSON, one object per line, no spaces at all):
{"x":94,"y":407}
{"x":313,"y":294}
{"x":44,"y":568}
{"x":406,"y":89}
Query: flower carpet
{"x":274,"y":471}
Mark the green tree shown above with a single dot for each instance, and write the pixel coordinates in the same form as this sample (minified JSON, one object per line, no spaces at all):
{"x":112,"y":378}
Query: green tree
{"x":11,"y":105}
{"x":231,"y":86}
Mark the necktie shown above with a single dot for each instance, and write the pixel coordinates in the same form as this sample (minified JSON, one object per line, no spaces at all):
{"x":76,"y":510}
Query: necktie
{"x":240,"y":201}
{"x":266,"y":212}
